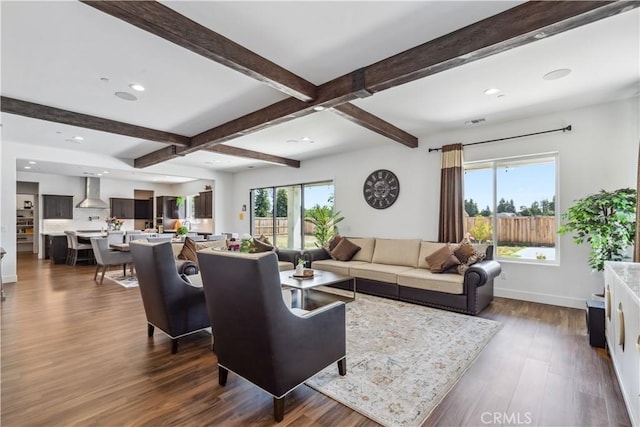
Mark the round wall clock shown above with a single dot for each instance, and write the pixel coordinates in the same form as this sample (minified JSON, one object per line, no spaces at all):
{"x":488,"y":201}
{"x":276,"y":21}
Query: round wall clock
{"x":381,"y":189}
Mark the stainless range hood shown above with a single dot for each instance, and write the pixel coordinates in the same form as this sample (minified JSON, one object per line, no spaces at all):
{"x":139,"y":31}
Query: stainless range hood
{"x":92,"y":195}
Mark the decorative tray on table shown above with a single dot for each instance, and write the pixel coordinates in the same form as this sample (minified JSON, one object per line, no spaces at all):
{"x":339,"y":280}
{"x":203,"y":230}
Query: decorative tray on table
{"x":308,"y":274}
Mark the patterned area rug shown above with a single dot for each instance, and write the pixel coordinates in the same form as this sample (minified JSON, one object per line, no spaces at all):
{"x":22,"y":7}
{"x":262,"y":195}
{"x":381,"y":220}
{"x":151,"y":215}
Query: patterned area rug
{"x":116,"y":276}
{"x":402,"y":359}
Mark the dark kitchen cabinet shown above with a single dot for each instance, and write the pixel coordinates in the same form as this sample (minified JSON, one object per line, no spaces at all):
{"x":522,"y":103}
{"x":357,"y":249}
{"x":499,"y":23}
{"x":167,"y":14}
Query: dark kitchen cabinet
{"x":143,"y":209}
{"x":122,"y":208}
{"x":55,"y":248}
{"x":57,"y":207}
{"x":167,"y":207}
{"x":203,"y":205}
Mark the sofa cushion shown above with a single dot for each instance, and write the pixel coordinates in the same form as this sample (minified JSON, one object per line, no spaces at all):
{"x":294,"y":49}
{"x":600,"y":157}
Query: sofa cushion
{"x":396,"y":252}
{"x":378,"y":272}
{"x":366,"y":248}
{"x":335,"y":266}
{"x":442,"y":259}
{"x":345,"y":250}
{"x":426,"y":249}
{"x":425,"y":279}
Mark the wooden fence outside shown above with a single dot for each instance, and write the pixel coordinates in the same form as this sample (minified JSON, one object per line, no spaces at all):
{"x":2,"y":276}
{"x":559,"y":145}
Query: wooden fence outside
{"x":265,"y":226}
{"x":518,"y":230}
{"x":521,"y":230}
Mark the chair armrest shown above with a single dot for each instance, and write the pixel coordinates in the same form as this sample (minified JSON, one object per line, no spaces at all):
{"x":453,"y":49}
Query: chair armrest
{"x":318,"y":311}
{"x":481,"y":272}
{"x":186,"y":267}
{"x":288,"y":255}
{"x":310,"y":255}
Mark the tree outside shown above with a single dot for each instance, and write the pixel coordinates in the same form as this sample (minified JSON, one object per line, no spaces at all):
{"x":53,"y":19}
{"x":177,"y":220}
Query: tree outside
{"x":282,"y":200}
{"x":262,"y":204}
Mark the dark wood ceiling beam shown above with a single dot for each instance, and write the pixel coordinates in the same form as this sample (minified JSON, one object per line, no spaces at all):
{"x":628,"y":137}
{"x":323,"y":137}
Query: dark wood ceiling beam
{"x":58,"y":115}
{"x":376,"y":124}
{"x":166,"y":23}
{"x":330,"y":94}
{"x":512,"y":28}
{"x":241,"y":152}
{"x":158,"y":156}
{"x":170,"y":25}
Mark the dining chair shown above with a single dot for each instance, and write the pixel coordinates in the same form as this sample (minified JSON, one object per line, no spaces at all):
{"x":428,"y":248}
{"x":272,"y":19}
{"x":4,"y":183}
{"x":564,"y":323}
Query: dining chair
{"x":106,"y":257}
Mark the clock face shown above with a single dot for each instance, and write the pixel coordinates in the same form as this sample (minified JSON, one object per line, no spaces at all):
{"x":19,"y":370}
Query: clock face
{"x":381,"y":189}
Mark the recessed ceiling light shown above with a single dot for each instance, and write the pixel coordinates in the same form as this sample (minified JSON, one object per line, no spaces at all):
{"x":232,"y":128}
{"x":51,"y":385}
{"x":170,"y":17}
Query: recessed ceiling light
{"x":502,"y":95}
{"x":318,"y":108}
{"x":306,"y":139}
{"x":292,"y":141}
{"x":126,"y":96}
{"x":491,"y":91}
{"x":72,"y":140}
{"x":31,"y":162}
{"x":474,"y":121}
{"x":104,"y":79}
{"x":540,"y":35}
{"x":99,"y":174}
{"x":557,"y":74}
{"x":27,"y":167}
{"x":78,"y":138}
{"x":105,"y":171}
{"x":137,"y":86}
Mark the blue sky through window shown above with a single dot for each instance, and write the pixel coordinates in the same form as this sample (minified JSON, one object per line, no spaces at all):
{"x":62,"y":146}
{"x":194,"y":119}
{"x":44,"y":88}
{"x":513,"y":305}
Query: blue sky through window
{"x":524,"y":184}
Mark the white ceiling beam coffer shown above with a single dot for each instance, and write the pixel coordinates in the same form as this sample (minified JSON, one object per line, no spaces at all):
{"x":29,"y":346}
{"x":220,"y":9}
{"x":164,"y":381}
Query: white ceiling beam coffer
{"x":507,"y":30}
{"x":164,"y":22}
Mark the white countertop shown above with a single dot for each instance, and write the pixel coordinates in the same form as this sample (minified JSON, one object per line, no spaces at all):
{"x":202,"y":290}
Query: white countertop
{"x":629,"y":273}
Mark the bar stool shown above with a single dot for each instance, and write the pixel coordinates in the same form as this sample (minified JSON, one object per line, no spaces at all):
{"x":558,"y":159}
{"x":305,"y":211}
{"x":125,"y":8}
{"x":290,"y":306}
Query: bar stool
{"x":74,"y":249}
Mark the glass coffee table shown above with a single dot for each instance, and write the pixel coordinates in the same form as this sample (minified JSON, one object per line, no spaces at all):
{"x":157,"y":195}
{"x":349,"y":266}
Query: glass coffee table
{"x":319,"y":278}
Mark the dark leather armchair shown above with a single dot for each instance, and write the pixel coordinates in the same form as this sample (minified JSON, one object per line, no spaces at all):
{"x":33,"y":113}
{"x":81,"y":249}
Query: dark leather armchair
{"x":256,"y":336}
{"x":171,"y":304}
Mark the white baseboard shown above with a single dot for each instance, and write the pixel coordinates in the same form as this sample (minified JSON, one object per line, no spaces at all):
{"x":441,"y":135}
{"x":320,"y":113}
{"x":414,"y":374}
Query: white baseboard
{"x":540,"y":298}
{"x":9,"y":279}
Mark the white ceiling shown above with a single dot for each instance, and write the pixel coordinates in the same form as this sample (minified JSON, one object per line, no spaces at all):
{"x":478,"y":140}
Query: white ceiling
{"x":56,"y":53}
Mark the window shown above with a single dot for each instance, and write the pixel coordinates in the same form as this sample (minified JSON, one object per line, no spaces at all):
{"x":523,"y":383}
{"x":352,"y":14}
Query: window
{"x":278,"y":212}
{"x":511,"y":202}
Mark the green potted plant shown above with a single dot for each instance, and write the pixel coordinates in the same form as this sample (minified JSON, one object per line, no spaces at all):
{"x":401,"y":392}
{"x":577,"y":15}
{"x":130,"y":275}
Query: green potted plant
{"x":182,"y":231}
{"x":605,"y":220}
{"x":324,"y":219}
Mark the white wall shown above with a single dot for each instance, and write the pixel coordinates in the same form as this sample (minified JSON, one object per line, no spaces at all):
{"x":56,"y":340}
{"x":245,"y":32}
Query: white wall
{"x":65,"y":185}
{"x":600,"y":153}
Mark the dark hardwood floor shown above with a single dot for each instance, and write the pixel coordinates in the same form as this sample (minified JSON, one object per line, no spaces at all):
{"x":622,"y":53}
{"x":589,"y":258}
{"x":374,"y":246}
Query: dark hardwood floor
{"x":77,"y":353}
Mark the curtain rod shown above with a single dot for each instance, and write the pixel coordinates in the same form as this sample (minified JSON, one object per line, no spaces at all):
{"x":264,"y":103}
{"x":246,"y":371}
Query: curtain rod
{"x":565,"y":129}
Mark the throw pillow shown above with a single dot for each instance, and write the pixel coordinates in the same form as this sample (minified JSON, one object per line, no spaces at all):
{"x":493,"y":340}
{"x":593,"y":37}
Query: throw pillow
{"x":442,"y":260}
{"x":331,"y":244}
{"x":264,"y":239}
{"x":344,"y":250}
{"x":471,"y":255}
{"x":260,"y":246}
{"x":464,"y":252}
{"x":189,"y":250}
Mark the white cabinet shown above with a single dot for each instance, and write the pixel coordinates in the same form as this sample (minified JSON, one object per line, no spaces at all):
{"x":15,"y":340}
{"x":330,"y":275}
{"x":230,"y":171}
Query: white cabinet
{"x":622,"y":326}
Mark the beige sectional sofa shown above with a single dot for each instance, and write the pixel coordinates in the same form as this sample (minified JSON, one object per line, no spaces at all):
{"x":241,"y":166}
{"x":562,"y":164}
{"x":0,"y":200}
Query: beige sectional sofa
{"x":397,"y":268}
